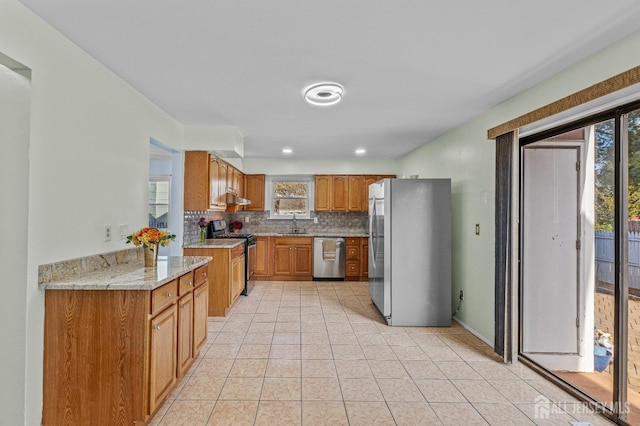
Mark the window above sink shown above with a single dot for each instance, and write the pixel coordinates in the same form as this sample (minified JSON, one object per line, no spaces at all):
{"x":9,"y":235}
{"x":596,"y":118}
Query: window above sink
{"x":287,"y":195}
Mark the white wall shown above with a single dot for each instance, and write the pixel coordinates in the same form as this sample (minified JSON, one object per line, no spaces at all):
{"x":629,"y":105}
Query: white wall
{"x":285,"y":166}
{"x":14,"y":196}
{"x":465,"y":155}
{"x":89,"y":165}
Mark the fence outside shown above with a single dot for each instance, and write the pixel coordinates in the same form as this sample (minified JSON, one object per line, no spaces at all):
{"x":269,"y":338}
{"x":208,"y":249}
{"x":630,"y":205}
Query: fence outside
{"x":605,"y":249}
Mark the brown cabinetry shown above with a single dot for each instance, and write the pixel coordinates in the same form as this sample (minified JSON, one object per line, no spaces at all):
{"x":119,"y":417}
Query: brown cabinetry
{"x":364,"y":259}
{"x":254,"y":191}
{"x":196,"y":180}
{"x":264,"y":256}
{"x":162,"y":364}
{"x":101,"y":343}
{"x":340,"y":193}
{"x":352,"y":261}
{"x":293,"y":258}
{"x":225,"y":274}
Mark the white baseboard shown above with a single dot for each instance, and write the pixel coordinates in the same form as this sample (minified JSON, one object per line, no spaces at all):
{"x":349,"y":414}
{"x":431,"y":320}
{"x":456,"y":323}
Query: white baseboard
{"x":474,"y":332}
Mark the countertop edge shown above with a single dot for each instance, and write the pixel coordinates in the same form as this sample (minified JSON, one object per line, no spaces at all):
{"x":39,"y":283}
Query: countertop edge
{"x":131,"y":276}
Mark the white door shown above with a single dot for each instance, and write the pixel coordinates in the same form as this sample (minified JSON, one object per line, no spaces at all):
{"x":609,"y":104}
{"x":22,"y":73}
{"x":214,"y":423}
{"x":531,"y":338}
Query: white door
{"x":550,"y":250}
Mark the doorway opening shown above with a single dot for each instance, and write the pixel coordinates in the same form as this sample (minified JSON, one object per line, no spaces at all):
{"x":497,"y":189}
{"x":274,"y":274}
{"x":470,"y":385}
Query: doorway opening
{"x":580,"y":258}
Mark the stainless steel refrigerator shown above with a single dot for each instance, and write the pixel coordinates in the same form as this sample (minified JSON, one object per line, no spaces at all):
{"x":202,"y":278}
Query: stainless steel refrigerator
{"x":410,"y":251}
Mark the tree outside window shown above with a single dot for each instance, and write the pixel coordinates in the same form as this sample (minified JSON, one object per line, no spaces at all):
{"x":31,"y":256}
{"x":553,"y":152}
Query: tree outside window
{"x":290,"y":198}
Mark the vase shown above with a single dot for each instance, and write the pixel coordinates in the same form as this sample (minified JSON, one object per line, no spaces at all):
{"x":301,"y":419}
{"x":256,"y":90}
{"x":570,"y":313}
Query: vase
{"x":151,"y":256}
{"x":202,"y":234}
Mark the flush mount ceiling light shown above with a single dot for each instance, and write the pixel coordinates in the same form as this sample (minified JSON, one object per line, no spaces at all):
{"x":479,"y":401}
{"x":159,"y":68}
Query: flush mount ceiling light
{"x":287,"y":150}
{"x":323,"y":94}
{"x":361,"y":151}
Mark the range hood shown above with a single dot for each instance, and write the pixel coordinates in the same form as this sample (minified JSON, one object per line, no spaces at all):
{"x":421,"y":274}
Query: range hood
{"x":234,"y":200}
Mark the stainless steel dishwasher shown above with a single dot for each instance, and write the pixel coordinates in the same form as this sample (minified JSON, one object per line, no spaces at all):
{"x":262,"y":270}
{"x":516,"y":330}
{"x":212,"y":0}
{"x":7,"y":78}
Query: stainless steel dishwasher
{"x":328,"y":258}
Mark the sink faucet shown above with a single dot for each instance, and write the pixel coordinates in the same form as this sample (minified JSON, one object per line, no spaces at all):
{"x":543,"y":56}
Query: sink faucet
{"x":294,"y":224}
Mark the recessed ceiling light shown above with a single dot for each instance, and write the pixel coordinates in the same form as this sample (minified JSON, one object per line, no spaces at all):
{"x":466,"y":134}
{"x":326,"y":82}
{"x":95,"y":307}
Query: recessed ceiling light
{"x":361,"y":151}
{"x":287,"y":150}
{"x":323,"y":94}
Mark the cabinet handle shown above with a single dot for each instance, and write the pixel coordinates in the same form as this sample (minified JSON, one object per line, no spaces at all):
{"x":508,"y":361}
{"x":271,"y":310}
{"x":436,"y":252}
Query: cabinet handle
{"x":156,"y":327}
{"x":191,"y":283}
{"x":184,"y":306}
{"x":169,"y":294}
{"x":204,"y":274}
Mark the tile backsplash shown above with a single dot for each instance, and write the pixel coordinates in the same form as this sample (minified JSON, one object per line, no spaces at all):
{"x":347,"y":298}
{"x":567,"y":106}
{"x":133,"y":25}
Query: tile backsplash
{"x":259,"y":222}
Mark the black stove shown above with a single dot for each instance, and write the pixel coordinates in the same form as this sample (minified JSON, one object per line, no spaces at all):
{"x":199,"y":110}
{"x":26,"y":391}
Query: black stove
{"x":218,"y":229}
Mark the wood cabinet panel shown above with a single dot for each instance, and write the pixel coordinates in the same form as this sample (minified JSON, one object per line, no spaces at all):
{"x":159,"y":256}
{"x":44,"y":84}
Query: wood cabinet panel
{"x":263,"y":257}
{"x":293,"y":257}
{"x":222,"y":184}
{"x":214,"y":183}
{"x":196,"y":180}
{"x":164,"y":296}
{"x":322,"y":198}
{"x":185,"y":333}
{"x":186,"y":284}
{"x":339,"y":192}
{"x":364,"y":259}
{"x":162,"y":364}
{"x":254,"y":191}
{"x":237,"y":277}
{"x":366,"y":181}
{"x":200,"y":317}
{"x":220,"y":277}
{"x":355,"y":197}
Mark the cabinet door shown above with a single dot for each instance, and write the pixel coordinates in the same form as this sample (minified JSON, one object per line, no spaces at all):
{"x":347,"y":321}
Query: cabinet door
{"x":339,"y":191}
{"x":303,"y":260}
{"x":222,"y":184}
{"x":254,"y":191}
{"x":366,"y":181}
{"x":364,"y":258}
{"x":185,"y":333}
{"x":282,"y":259}
{"x":214,"y":182}
{"x":237,"y":277}
{"x":196,"y":180}
{"x":162,"y":363}
{"x":200,"y":316}
{"x":322,"y":199}
{"x":354,"y":203}
{"x":262,"y":257}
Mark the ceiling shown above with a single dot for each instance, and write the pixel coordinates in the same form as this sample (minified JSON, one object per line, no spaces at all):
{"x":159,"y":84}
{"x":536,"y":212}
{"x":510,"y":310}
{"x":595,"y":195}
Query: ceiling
{"x":411,"y":69}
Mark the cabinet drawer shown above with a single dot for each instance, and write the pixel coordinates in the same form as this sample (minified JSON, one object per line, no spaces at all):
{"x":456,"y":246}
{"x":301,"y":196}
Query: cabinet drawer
{"x":352,"y":241}
{"x":164,"y":296}
{"x":352,"y":268}
{"x":353,"y":252}
{"x":200,"y":275}
{"x":186,"y":283}
{"x":237,"y":251}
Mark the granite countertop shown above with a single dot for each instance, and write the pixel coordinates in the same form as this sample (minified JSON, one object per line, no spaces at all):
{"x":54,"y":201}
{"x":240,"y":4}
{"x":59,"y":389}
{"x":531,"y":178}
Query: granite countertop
{"x":130,"y":276}
{"x":345,"y":234}
{"x":217,"y":243}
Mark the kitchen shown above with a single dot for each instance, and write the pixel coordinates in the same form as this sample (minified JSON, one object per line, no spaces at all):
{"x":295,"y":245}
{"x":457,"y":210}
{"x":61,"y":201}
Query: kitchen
{"x":82,"y":162}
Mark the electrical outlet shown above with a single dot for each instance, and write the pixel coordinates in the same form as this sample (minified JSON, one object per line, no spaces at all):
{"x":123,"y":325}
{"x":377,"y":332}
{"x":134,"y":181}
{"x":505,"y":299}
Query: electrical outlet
{"x":107,"y":232}
{"x":247,"y":219}
{"x":461,"y":295}
{"x":315,"y":220}
{"x":477,"y":229}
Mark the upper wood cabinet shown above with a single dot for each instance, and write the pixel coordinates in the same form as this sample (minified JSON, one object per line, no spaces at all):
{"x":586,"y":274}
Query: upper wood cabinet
{"x":344,"y":193}
{"x":331,"y":193}
{"x":196,"y":180}
{"x":355,"y":198}
{"x":207,"y":179}
{"x":254,"y":191}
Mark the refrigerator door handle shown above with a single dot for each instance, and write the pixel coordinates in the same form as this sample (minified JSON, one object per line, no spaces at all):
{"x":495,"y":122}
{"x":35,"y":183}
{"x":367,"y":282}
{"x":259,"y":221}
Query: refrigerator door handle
{"x":372,"y":230}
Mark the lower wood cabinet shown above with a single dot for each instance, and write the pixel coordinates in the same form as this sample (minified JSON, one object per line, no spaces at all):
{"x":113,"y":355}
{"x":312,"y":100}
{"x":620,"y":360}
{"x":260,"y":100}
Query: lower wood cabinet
{"x":357,"y":258}
{"x":293,"y":258}
{"x":226,"y":276}
{"x":162,"y":358}
{"x":264,"y":256}
{"x":112,"y":356}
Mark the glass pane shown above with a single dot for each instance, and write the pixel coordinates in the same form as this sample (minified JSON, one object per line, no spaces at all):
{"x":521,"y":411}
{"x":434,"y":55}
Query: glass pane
{"x":633,"y":320}
{"x":290,"y":198}
{"x":290,"y":206}
{"x":159,"y":204}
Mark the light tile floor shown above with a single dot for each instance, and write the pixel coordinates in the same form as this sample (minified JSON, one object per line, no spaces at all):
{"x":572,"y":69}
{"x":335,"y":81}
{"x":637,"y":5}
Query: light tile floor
{"x":319,"y":353}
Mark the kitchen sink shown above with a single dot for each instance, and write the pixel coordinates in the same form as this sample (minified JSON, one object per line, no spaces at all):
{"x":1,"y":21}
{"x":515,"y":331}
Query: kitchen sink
{"x":297,"y":232}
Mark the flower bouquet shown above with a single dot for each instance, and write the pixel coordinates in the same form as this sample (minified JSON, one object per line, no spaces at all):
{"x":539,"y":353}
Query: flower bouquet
{"x":150,"y":239}
{"x":236,"y":225}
